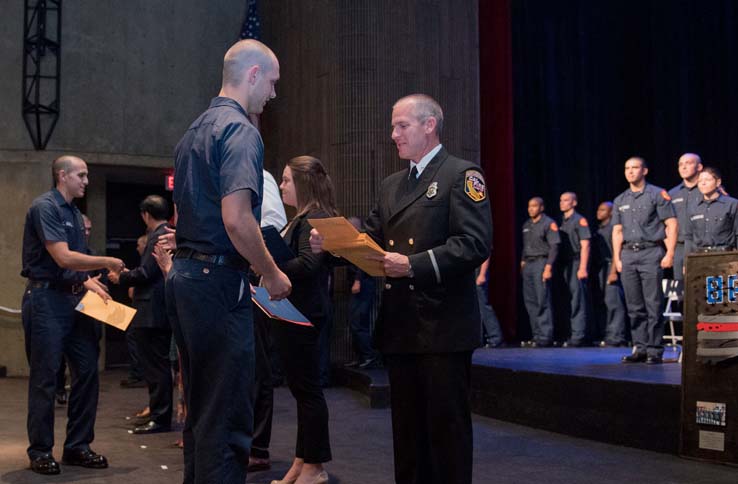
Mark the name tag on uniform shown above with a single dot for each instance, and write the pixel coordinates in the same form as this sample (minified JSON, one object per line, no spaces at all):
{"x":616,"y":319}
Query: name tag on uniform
{"x":67,"y":223}
{"x":526,"y":230}
{"x":697,"y":217}
{"x":623,"y":208}
{"x":677,"y":200}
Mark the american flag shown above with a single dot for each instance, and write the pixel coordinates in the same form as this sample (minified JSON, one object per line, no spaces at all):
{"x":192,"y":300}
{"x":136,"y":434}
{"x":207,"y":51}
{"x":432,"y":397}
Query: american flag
{"x":251,"y":28}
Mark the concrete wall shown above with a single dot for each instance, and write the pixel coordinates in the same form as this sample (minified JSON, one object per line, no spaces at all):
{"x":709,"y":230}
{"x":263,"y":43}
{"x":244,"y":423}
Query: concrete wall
{"x":134,"y":75}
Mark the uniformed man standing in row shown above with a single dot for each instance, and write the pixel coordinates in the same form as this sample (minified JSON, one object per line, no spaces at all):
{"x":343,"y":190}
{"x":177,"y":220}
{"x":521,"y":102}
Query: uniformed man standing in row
{"x":614,"y":317}
{"x":540,"y":249}
{"x":574,"y":256}
{"x":434,"y":221}
{"x":218,"y":194}
{"x":55,"y":262}
{"x":712,"y":224}
{"x":683,"y":197}
{"x":643,"y":239}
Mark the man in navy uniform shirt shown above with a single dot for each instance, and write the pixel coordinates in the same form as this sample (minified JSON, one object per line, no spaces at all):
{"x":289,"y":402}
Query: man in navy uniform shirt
{"x":434,"y":221}
{"x":608,"y":282}
{"x":540,"y":249}
{"x":55,"y":262}
{"x":683,"y":197}
{"x":218,"y":195}
{"x":712,"y":224}
{"x":643,"y":239}
{"x":574,"y":257}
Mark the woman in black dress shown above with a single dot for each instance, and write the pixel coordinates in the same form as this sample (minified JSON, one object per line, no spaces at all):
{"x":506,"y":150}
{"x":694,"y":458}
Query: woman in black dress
{"x":307,"y":187}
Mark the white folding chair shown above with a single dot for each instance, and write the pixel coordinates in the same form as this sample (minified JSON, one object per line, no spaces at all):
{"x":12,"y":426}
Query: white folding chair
{"x":673,"y":292}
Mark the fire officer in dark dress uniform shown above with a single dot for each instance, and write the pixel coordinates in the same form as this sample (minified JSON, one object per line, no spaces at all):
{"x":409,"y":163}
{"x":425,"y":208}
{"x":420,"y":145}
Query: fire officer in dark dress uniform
{"x":540,"y":248}
{"x":683,"y":197}
{"x":55,"y":263}
{"x":643,"y":223}
{"x":434,"y":221}
{"x":217,"y":192}
{"x":574,"y":257}
{"x":150,"y":327}
{"x":712,"y":224}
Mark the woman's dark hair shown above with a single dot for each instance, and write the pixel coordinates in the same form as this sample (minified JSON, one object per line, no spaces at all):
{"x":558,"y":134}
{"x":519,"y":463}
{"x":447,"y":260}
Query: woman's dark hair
{"x":712,"y":171}
{"x":313,"y":186}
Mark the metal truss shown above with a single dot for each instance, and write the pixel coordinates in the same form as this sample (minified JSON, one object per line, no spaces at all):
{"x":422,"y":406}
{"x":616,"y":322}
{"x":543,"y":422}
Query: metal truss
{"x":41,"y":68}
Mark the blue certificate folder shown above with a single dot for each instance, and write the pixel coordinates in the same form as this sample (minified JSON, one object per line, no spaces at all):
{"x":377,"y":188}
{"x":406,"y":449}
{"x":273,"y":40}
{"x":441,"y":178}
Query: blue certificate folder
{"x":283,"y":310}
{"x":276,"y":245}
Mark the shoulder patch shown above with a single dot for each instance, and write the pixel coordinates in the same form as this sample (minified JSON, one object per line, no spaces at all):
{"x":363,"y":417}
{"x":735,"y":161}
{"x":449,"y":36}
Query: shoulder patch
{"x":474,"y":186}
{"x":583,"y":222}
{"x":666,"y":196}
{"x":554,"y":227}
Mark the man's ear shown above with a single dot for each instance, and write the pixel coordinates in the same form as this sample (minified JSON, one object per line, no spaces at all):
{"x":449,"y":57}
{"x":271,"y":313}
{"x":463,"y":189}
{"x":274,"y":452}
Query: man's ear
{"x":251,"y":73}
{"x":430,"y":124}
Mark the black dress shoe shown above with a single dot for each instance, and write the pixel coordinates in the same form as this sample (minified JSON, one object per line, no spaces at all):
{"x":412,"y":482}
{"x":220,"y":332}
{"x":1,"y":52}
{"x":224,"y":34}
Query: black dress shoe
{"x":352,"y":364}
{"x":634,"y":358}
{"x":61,"y":398}
{"x":151,"y":428}
{"x":133,"y":383}
{"x":45,"y":464}
{"x":371,"y":364}
{"x":256,"y":465}
{"x":654,"y":360}
{"x":84,"y":458}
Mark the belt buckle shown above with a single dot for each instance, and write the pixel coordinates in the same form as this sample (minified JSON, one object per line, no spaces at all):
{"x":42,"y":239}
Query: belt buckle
{"x":635,"y":247}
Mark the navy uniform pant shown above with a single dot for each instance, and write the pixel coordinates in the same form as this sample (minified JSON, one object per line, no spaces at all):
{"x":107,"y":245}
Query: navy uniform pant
{"x":360,"y":312}
{"x":431,"y":417}
{"x":615,"y":310}
{"x":490,"y":323}
{"x":578,"y":302}
{"x":54,"y":329}
{"x":209,"y":307}
{"x":537,"y":299}
{"x":679,"y":262}
{"x":641,"y":277}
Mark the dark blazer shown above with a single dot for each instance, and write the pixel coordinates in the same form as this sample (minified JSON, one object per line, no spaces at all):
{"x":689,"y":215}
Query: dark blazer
{"x":148,"y":281}
{"x":445,"y":227}
{"x":308,"y":272}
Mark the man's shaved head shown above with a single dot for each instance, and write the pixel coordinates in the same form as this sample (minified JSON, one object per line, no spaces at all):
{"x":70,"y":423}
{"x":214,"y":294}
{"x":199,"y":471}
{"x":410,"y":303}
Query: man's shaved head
{"x":241,"y":56}
{"x":66,"y":163}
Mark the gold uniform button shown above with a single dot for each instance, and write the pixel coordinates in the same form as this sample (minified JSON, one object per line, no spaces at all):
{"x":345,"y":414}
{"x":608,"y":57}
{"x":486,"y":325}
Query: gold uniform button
{"x":412,"y":288}
{"x":411,"y":241}
{"x":391,"y":243}
{"x":388,"y":286}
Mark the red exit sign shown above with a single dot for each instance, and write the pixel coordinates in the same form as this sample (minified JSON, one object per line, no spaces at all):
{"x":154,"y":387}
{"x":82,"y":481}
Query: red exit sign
{"x":169,"y":183}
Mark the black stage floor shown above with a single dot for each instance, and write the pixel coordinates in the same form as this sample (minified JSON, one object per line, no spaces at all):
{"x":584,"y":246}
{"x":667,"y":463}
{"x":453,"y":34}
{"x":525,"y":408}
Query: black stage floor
{"x":584,"y":392}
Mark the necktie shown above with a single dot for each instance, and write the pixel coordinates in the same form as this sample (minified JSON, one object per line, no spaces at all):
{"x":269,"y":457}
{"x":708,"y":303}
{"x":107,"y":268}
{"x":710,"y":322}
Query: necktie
{"x":412,"y":179}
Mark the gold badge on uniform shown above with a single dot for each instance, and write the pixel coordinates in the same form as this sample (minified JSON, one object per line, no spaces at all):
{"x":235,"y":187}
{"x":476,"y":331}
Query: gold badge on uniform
{"x":474,"y":185}
{"x":432,"y":190}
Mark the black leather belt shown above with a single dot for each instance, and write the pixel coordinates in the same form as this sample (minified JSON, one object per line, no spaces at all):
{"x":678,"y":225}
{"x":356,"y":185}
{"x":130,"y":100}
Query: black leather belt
{"x":636,"y":246}
{"x":714,"y":248}
{"x":226,"y":260}
{"x":534,"y":258}
{"x":58,"y":286}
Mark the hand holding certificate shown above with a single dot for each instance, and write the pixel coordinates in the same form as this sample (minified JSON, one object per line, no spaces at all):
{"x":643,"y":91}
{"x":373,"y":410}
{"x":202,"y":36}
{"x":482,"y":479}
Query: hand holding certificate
{"x":342,"y":239}
{"x":112,"y":313}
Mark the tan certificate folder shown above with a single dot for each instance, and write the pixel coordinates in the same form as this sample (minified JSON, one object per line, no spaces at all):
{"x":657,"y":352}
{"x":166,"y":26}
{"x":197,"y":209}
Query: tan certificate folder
{"x":341,"y":238}
{"x":113,"y":313}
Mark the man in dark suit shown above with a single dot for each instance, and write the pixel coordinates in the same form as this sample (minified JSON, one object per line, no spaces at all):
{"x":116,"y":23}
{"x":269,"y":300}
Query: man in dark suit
{"x":434,"y":221}
{"x":150,"y":327}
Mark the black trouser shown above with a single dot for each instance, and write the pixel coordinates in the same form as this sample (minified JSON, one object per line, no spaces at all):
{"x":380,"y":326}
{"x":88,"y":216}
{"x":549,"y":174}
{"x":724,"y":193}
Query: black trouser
{"x":153,"y":352}
{"x":299,"y":354}
{"x":263,"y":387}
{"x":54,"y":329}
{"x":641,"y":277}
{"x":431,"y":417}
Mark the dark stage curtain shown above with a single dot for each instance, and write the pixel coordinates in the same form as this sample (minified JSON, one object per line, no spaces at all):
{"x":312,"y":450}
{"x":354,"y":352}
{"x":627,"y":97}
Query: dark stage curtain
{"x":496,"y":147}
{"x":598,"y":81}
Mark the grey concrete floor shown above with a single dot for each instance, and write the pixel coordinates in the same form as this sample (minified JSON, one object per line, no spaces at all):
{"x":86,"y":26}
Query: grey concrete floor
{"x":362,"y":448}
